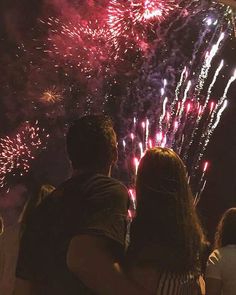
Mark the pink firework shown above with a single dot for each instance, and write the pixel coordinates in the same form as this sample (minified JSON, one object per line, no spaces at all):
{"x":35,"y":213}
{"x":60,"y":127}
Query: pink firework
{"x":17,"y":152}
{"x":157,"y":9}
{"x":77,"y":44}
{"x":123,"y":16}
{"x":128,"y":20}
{"x":91,"y":44}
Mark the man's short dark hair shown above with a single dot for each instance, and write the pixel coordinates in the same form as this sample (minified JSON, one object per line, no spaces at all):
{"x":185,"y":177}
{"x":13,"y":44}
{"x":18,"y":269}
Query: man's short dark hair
{"x":91,"y":143}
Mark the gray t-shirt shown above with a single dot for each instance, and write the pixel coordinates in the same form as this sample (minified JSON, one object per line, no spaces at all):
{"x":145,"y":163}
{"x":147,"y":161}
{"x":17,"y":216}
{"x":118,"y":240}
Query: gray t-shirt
{"x":221,"y":265}
{"x":86,"y":204}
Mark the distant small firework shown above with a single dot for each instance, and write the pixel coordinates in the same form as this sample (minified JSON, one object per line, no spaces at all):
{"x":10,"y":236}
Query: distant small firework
{"x":17,"y":152}
{"x":51,"y":96}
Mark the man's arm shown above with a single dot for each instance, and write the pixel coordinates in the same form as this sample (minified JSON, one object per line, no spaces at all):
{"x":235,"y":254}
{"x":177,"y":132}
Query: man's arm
{"x":213,"y":286}
{"x":22,"y":287}
{"x":89,"y":257}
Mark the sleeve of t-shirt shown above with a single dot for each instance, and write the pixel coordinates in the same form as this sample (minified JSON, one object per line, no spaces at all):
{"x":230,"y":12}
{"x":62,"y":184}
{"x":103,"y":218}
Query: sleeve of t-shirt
{"x":25,"y":262}
{"x":105,"y":210}
{"x":213,"y":266}
{"x":32,"y":250}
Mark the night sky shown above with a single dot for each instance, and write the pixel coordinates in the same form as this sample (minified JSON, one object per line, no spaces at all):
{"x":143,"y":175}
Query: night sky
{"x":21,"y":79}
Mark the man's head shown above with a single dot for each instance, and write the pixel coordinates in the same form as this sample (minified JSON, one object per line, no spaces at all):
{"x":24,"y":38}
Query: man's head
{"x":91,"y":144}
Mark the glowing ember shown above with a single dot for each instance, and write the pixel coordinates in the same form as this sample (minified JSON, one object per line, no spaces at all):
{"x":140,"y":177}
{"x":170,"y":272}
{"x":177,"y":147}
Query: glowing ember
{"x":51,"y":96}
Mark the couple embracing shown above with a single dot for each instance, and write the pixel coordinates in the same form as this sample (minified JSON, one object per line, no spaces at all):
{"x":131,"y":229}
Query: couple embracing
{"x":74,"y":243}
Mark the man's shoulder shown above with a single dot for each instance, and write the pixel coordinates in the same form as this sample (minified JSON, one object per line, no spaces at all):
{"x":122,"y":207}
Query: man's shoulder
{"x":86,"y":186}
{"x":103,"y":179}
{"x":104,"y":184}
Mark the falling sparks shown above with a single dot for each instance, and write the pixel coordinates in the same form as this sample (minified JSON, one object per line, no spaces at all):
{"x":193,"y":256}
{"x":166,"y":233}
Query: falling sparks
{"x":208,"y":62}
{"x":181,"y":132}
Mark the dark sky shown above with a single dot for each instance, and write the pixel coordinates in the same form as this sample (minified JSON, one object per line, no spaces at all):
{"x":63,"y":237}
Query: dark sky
{"x":17,"y":18}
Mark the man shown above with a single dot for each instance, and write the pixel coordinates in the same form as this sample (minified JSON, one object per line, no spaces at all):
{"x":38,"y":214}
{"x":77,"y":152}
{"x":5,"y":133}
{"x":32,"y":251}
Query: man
{"x":76,"y":236}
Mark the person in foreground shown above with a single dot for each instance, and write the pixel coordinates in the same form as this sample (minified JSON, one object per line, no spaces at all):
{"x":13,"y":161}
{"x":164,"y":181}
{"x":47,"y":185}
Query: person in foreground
{"x":166,"y":238}
{"x":77,"y":234}
{"x":221,"y":266}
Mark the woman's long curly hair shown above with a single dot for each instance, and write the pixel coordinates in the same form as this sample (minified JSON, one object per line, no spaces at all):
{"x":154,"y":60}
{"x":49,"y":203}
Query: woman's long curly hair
{"x":226,"y":229}
{"x":166,"y":231}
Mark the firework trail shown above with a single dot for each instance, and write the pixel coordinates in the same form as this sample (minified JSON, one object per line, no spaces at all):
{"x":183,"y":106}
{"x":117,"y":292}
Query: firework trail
{"x":202,"y":183}
{"x":217,"y":72}
{"x":215,"y":117}
{"x":203,"y":108}
{"x":163,"y":113}
{"x":189,"y":84}
{"x":207,"y":64}
{"x":177,"y":90}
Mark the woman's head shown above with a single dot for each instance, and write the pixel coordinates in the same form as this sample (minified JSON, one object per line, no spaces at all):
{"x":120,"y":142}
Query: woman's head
{"x":162,"y":188}
{"x":161,"y":170}
{"x":226,"y":229}
{"x":165,"y":210}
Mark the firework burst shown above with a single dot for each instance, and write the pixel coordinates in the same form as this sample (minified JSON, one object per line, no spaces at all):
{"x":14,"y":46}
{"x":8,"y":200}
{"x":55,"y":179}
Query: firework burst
{"x":92,"y":44}
{"x":157,"y":10}
{"x":51,"y":96}
{"x":17,"y":152}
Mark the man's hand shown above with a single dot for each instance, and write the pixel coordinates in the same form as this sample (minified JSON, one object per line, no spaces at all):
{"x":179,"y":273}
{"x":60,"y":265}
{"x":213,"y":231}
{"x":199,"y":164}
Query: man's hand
{"x":22,"y":287}
{"x":91,"y":260}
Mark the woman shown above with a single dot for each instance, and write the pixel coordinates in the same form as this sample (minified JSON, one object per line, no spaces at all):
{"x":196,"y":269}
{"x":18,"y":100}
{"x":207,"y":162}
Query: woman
{"x":221,"y":266}
{"x":166,"y":238}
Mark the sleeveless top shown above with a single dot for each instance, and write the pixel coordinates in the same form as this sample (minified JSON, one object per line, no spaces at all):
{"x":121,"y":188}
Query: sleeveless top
{"x":174,"y":284}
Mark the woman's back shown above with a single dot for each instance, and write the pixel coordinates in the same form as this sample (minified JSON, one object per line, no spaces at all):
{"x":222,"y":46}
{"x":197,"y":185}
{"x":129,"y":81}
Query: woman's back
{"x":166,"y":238}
